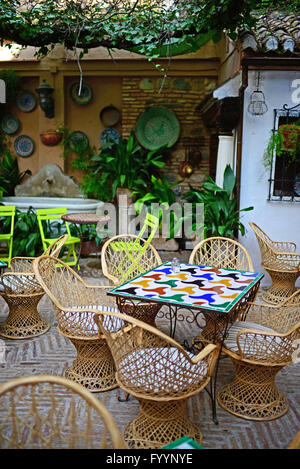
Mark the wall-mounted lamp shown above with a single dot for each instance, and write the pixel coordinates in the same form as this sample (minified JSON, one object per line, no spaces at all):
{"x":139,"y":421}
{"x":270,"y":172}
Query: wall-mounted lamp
{"x":46,"y":101}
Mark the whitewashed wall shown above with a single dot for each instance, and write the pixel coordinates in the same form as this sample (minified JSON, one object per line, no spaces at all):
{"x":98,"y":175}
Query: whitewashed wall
{"x":280,"y":220}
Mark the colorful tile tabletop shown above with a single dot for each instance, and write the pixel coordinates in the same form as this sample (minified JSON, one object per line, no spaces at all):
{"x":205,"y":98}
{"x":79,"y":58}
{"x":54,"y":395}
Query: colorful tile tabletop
{"x":194,"y":286}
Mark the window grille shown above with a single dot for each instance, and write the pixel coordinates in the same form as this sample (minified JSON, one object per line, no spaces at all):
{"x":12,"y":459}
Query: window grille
{"x":284,"y":181}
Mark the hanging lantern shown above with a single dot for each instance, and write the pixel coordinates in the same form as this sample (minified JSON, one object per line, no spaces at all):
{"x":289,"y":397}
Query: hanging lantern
{"x":257,"y":105}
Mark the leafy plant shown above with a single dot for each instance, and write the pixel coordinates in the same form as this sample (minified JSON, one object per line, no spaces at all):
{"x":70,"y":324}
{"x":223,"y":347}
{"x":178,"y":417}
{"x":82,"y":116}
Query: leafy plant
{"x":27,"y":239}
{"x":12,"y":84}
{"x":119,"y":164}
{"x":279,"y":144}
{"x":10,"y":175}
{"x":159,"y":192}
{"x":221,"y":216}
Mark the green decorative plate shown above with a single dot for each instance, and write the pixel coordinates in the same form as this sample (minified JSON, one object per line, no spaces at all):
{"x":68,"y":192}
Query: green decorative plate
{"x":78,"y":141}
{"x":157,"y":127}
{"x":85,"y":96}
{"x":10,"y":124}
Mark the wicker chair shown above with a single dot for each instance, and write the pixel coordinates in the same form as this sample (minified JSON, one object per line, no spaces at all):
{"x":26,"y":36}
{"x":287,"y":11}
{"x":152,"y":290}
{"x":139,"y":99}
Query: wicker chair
{"x":73,"y":301}
{"x":223,"y":253}
{"x":259,"y":348}
{"x":160,"y":373}
{"x":125,"y":257}
{"x":22,"y":292}
{"x":281,"y":262}
{"x":51,"y":412}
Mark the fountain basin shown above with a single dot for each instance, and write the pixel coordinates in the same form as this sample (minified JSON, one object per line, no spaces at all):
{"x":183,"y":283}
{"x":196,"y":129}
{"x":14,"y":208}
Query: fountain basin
{"x":71,"y":204}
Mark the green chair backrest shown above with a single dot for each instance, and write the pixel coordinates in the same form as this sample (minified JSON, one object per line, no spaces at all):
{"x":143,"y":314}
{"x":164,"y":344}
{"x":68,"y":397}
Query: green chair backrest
{"x":44,"y":214}
{"x":9,"y":211}
{"x":151,"y":221}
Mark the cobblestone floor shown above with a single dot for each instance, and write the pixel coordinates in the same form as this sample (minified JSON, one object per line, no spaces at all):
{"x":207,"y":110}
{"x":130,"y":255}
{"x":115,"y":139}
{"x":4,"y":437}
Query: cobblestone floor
{"x":51,"y":353}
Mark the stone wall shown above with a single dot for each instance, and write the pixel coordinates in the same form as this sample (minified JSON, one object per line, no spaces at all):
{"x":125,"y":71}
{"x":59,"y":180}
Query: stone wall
{"x":181,"y":95}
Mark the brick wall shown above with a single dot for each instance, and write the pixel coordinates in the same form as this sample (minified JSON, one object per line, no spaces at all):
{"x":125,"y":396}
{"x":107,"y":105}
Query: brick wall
{"x":181,"y":95}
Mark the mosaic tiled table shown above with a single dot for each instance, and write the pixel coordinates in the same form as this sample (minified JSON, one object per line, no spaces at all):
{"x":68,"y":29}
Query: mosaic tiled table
{"x":220,"y":295}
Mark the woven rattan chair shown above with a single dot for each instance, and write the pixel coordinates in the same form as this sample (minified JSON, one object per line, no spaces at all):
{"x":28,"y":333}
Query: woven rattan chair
{"x":73,"y":301}
{"x":161,"y":374}
{"x":223,"y":253}
{"x":51,"y":412}
{"x":22,"y":293}
{"x":281,"y":262}
{"x":259,"y":348}
{"x":125,"y":257}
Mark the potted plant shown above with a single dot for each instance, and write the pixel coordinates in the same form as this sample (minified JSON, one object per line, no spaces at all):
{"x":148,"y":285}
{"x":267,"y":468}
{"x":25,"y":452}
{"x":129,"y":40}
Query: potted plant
{"x":284,"y":141}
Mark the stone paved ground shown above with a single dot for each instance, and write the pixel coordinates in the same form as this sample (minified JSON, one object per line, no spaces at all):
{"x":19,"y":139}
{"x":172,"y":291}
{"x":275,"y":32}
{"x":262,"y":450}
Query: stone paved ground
{"x":51,"y":353}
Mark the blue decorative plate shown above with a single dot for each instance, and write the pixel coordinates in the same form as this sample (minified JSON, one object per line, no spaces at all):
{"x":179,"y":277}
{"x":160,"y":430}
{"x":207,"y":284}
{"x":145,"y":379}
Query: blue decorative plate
{"x":85,"y":96}
{"x":10,"y":124}
{"x":78,"y":141}
{"x":26,"y":101}
{"x":24,"y":146}
{"x":109,"y":135}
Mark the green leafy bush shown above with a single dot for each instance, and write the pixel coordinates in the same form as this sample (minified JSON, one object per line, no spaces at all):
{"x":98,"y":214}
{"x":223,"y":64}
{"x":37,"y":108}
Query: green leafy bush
{"x":221,"y":216}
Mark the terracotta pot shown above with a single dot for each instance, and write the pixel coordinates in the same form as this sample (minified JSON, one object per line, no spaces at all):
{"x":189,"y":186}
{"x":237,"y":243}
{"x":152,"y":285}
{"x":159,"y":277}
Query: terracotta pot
{"x":51,"y":138}
{"x":123,"y":197}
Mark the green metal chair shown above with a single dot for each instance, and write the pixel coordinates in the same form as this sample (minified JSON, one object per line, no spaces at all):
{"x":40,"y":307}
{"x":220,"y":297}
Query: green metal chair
{"x":44,"y":215}
{"x":9,"y":212}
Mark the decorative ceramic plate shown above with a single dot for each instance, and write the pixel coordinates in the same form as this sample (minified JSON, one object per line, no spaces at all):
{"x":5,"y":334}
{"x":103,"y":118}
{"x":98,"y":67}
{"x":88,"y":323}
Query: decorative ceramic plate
{"x":85,"y":96}
{"x":157,"y":127}
{"x":10,"y":124}
{"x":78,"y":141}
{"x":297,"y":185}
{"x":24,"y":146}
{"x":26,"y":101}
{"x":110,"y":116}
{"x":109,"y":135}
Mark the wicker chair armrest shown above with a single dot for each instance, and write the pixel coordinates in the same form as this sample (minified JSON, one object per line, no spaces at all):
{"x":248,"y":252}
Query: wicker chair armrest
{"x":211,"y":350}
{"x":288,"y":259}
{"x":22,"y":264}
{"x":285,"y":246}
{"x":18,"y":283}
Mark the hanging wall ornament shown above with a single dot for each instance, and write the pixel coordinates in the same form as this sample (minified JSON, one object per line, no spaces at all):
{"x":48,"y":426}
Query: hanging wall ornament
{"x":257,"y":105}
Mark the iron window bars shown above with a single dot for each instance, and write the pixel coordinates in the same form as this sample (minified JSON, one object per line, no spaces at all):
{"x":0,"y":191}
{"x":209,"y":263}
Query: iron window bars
{"x":284,"y":173}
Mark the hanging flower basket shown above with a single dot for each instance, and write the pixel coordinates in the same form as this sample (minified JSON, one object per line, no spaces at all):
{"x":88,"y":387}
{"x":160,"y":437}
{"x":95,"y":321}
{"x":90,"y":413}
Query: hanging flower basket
{"x":290,"y":137}
{"x":51,"y":138}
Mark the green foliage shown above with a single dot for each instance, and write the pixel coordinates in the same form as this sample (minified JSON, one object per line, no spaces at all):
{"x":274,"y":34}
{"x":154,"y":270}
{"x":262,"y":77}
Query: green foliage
{"x":153,"y":28}
{"x":12,"y":84}
{"x":10,"y":175}
{"x":159,"y":192}
{"x":122,"y":164}
{"x":221,"y":217}
{"x":276,"y":144}
{"x":27,"y":241}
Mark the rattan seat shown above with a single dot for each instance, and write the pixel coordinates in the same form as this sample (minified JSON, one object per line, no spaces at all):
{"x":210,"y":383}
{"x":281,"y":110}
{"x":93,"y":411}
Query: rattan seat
{"x":282,"y":262}
{"x":51,"y":412}
{"x":75,"y":304}
{"x":161,"y":374}
{"x":22,"y":292}
{"x":259,"y":349}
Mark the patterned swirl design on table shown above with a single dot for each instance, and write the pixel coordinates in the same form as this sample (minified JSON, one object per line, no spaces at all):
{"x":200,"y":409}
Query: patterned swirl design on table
{"x":196,"y":286}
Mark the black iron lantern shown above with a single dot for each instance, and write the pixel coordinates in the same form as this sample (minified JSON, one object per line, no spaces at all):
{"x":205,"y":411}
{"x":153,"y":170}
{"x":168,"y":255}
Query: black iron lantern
{"x":46,"y":101}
